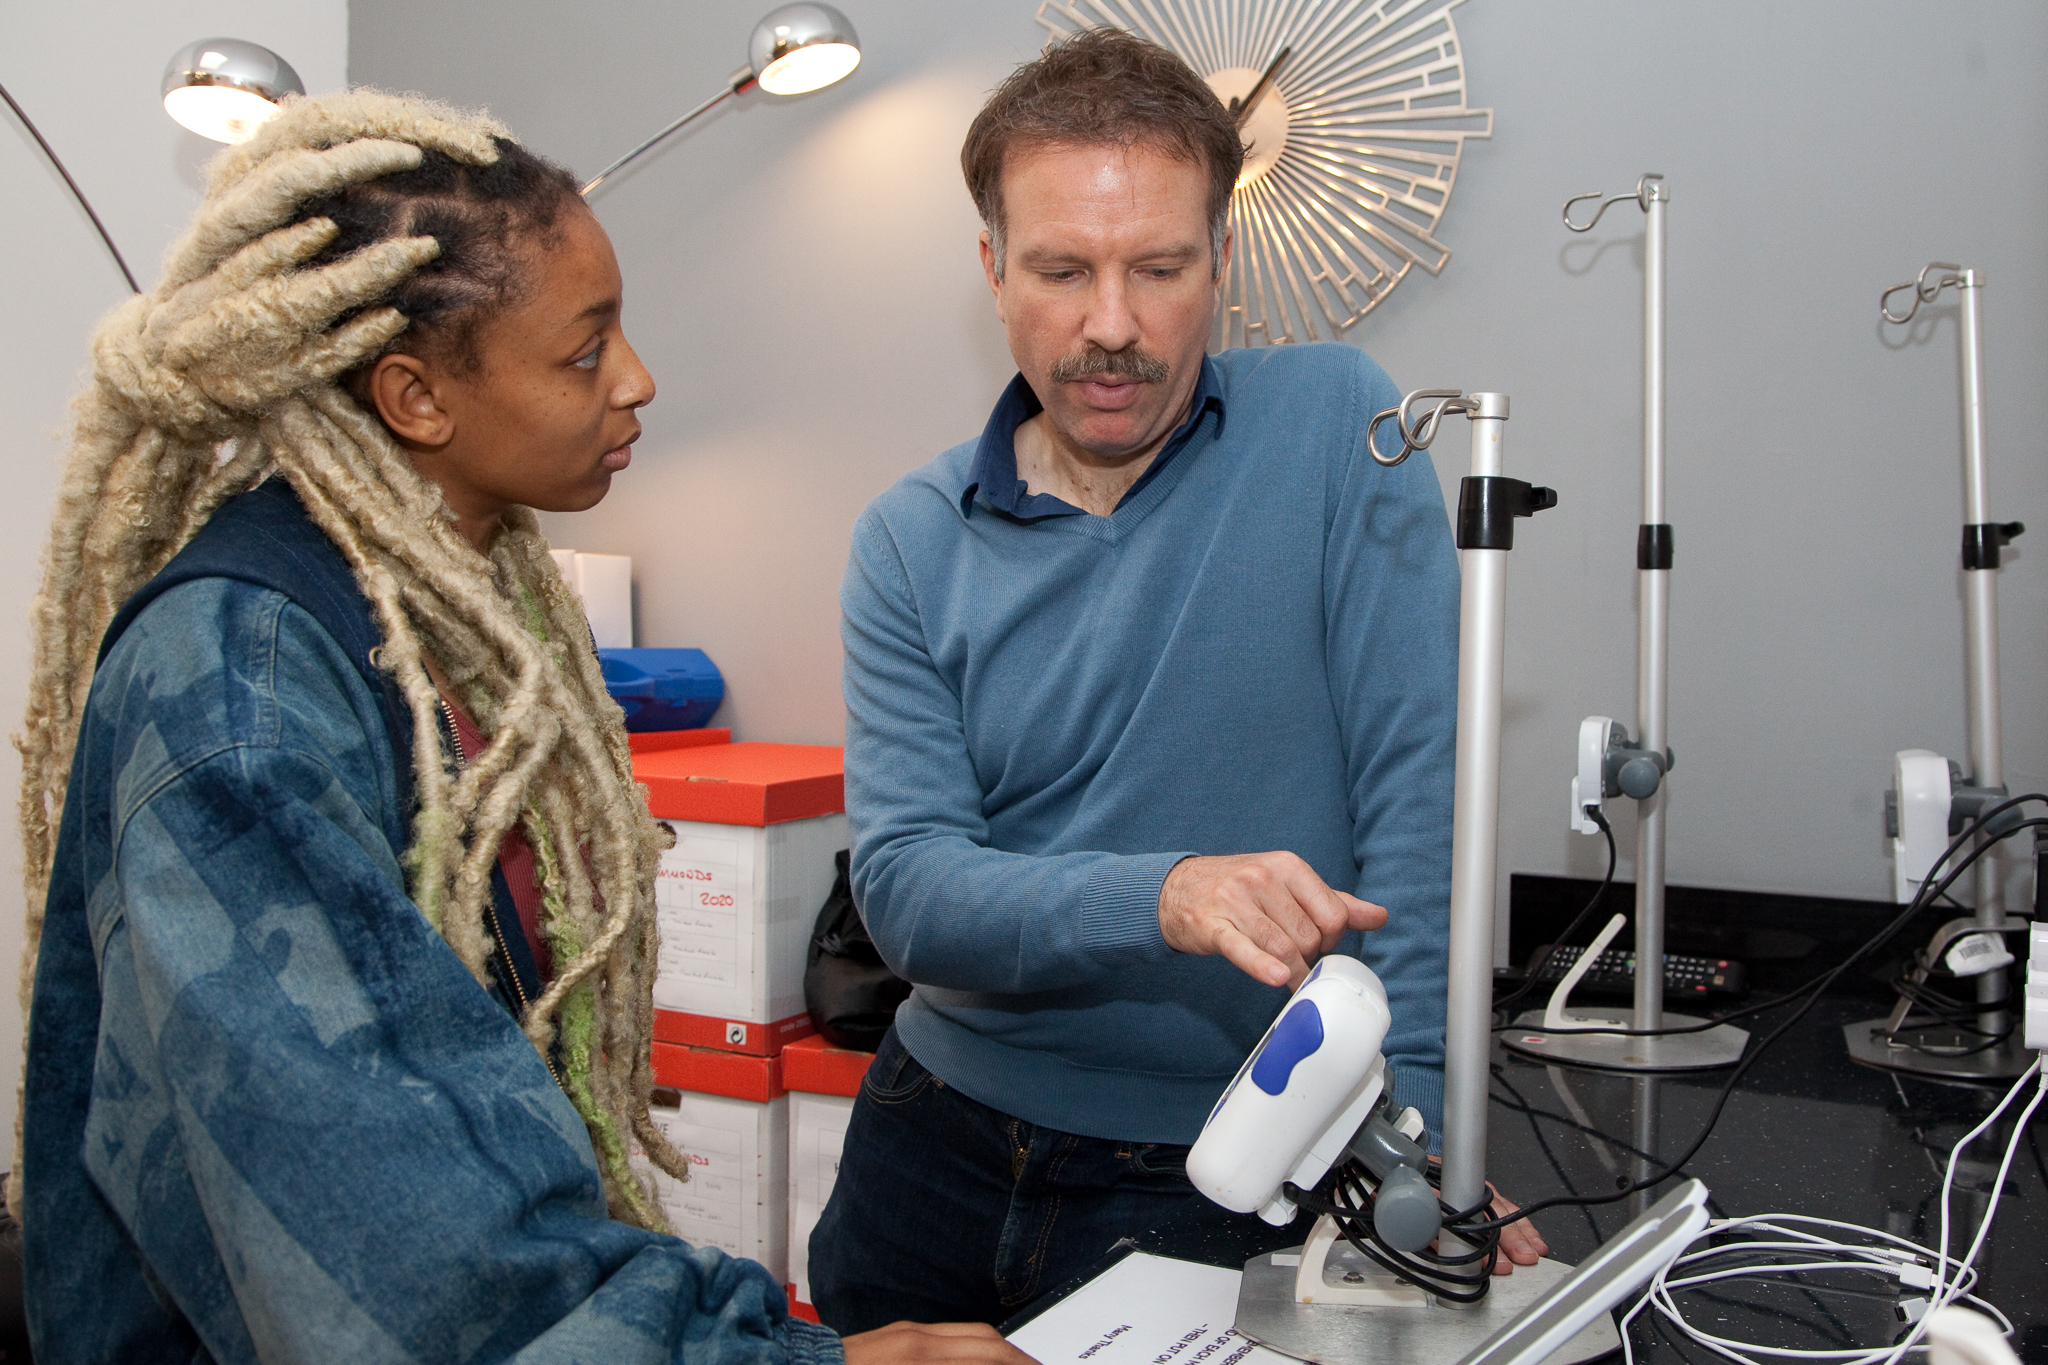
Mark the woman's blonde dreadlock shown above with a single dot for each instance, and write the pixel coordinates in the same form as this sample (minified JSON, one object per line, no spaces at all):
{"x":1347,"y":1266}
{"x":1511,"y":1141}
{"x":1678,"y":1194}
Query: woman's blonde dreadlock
{"x":226,"y":373}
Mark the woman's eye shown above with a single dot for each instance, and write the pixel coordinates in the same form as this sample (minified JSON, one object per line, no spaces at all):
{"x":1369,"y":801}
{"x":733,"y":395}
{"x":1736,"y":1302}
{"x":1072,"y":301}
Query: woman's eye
{"x":589,"y":360}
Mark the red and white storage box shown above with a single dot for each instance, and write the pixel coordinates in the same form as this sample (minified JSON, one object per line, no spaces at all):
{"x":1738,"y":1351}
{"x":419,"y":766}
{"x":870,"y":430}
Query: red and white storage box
{"x":756,"y":827}
{"x":736,"y":1135}
{"x":654,"y":741}
{"x":822,"y":1082}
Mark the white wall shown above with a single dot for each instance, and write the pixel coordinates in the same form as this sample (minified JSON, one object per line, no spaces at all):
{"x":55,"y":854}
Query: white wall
{"x":802,"y":280}
{"x":1817,"y":153}
{"x":142,"y":173}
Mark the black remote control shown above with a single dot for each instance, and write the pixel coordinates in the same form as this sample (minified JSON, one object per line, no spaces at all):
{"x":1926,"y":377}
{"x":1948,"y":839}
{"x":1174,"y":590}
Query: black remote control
{"x":1614,"y":973}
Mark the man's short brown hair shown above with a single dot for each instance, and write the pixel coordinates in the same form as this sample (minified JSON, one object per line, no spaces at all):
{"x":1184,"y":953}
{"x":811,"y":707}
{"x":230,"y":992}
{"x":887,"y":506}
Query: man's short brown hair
{"x":1103,"y":85}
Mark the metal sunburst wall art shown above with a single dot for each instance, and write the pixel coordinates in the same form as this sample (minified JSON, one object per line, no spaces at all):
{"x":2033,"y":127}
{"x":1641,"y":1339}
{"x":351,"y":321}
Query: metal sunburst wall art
{"x":1353,"y":116}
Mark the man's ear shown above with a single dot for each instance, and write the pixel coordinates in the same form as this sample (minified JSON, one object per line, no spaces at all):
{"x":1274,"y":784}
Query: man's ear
{"x":988,"y":269}
{"x":1223,"y":258}
{"x":405,"y":390}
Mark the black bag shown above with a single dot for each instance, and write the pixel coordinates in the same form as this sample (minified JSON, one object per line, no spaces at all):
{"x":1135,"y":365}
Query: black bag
{"x":851,"y":994}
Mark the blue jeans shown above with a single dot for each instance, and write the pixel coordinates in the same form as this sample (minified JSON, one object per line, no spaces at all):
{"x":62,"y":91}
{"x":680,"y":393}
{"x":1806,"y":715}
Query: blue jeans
{"x":946,"y":1210}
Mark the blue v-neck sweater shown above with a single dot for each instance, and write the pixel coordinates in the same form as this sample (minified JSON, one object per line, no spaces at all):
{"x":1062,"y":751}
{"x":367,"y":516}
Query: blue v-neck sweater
{"x":1257,"y":650}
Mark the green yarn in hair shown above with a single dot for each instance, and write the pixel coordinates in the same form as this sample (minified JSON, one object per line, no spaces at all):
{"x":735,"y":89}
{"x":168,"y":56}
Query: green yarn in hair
{"x":430,"y":837}
{"x":576,"y":1024}
{"x":536,"y":614}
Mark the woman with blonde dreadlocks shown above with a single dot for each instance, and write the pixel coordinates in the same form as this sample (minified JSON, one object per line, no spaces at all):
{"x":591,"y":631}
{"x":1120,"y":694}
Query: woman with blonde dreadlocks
{"x":340,"y":1019}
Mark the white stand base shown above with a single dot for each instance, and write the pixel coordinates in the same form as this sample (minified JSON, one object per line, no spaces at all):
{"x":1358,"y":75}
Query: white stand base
{"x":1581,"y":1046}
{"x":1330,"y":1271}
{"x":1425,"y":1333}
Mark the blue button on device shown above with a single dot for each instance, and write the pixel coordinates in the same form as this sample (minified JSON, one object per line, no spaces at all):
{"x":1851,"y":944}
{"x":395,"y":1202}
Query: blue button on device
{"x":1298,"y":1034}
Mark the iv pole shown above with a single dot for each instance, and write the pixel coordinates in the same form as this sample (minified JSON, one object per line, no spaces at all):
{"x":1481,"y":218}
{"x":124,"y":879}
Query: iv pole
{"x":1431,"y":1332}
{"x":1945,"y":1051}
{"x":1637,"y":769}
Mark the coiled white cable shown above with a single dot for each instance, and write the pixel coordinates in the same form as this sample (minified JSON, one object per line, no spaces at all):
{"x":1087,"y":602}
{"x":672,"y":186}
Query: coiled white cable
{"x":1907,"y":1262}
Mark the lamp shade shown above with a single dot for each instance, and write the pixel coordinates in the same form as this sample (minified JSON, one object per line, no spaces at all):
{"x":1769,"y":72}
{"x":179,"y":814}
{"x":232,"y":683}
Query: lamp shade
{"x":223,"y":88}
{"x":802,"y":47}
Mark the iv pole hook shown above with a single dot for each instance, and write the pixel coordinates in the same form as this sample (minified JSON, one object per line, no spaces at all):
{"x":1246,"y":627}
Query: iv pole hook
{"x":1651,"y":186}
{"x":1922,"y":291}
{"x":1415,"y":434}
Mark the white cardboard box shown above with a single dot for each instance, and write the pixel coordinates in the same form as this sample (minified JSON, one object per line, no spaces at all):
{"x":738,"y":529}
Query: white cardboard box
{"x":605,"y":583}
{"x":737,"y":1196}
{"x":736,"y":904}
{"x":817,"y":1133}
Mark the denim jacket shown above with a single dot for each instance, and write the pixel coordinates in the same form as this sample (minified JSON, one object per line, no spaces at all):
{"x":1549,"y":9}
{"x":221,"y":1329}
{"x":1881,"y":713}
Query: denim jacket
{"x":270,"y":1115}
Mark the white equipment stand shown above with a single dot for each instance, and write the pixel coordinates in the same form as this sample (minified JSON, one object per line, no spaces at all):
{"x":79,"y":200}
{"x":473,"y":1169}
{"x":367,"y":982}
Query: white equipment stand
{"x":1638,"y":768}
{"x":1418,"y":1329}
{"x":1925,"y":801}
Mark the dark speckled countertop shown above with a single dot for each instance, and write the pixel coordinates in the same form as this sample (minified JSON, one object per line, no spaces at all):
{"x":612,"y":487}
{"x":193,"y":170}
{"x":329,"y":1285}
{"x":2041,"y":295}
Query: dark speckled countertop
{"x":1807,"y":1132}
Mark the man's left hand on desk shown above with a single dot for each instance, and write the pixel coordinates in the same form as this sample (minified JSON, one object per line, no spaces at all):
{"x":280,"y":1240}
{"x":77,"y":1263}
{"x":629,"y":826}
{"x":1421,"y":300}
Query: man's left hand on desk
{"x":1520,"y":1242}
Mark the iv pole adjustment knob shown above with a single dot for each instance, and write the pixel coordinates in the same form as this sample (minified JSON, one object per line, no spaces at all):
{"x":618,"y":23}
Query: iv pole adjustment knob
{"x":1488,"y":506}
{"x":1612,"y":764}
{"x":1983,"y":541}
{"x":1404,"y":1210}
{"x":1640,"y":776}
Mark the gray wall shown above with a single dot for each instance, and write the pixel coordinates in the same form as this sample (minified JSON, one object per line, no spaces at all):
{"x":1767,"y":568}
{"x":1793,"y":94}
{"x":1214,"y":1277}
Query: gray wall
{"x":802,"y":280}
{"x":143,"y":174}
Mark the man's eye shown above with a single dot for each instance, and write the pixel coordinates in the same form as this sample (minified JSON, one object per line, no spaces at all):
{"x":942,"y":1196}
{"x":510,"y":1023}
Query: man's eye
{"x":1062,"y":276}
{"x":588,"y":361}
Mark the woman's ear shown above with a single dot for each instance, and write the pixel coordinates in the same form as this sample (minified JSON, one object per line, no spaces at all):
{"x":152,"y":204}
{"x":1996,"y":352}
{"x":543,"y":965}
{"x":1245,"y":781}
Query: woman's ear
{"x":407,"y":394}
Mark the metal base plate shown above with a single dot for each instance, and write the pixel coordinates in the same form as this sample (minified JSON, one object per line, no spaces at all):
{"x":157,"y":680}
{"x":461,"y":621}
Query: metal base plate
{"x":1935,"y":1052}
{"x":1704,"y":1051}
{"x":1330,"y":1334}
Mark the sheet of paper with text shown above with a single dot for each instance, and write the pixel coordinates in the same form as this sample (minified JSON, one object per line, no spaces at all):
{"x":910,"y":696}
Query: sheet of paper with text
{"x":1146,"y":1310}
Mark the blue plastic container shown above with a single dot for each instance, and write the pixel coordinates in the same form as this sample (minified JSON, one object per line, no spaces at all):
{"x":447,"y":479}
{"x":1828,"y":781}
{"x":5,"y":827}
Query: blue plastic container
{"x":663,"y":689}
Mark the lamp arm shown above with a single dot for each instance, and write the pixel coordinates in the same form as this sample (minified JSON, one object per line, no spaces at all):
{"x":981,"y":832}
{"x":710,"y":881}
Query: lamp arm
{"x":1241,"y":110}
{"x":741,"y":79}
{"x":77,"y":193}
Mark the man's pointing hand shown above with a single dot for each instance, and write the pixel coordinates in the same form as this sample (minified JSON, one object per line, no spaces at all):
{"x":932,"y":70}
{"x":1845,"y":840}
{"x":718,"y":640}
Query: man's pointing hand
{"x":1269,"y":913}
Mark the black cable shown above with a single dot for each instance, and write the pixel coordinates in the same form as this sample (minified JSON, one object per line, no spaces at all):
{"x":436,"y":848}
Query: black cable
{"x":1929,"y":890}
{"x":1521,"y":1105}
{"x":1883,"y":936}
{"x":1942,"y":1008}
{"x":1749,"y":1059}
{"x":51,"y":153}
{"x":1460,"y":1277}
{"x":1571,"y":930}
{"x":1542,"y":1142}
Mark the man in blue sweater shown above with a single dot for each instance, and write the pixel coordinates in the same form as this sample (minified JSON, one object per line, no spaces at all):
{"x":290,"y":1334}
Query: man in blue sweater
{"x":1143,"y":685}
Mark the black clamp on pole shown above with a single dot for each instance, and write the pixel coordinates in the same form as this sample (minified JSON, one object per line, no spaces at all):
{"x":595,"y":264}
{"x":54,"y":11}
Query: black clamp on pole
{"x":1983,"y":541}
{"x":1488,"y":505}
{"x":1653,"y":545}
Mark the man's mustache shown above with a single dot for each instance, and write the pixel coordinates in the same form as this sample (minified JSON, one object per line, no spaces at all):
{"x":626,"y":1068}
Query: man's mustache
{"x":1129,"y":363}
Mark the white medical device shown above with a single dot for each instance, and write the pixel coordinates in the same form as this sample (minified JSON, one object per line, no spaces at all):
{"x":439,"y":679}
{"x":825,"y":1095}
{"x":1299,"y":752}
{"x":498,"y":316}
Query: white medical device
{"x":1917,"y":813}
{"x":1307,"y":1088}
{"x":1611,"y":764}
{"x":1312,"y":1093}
